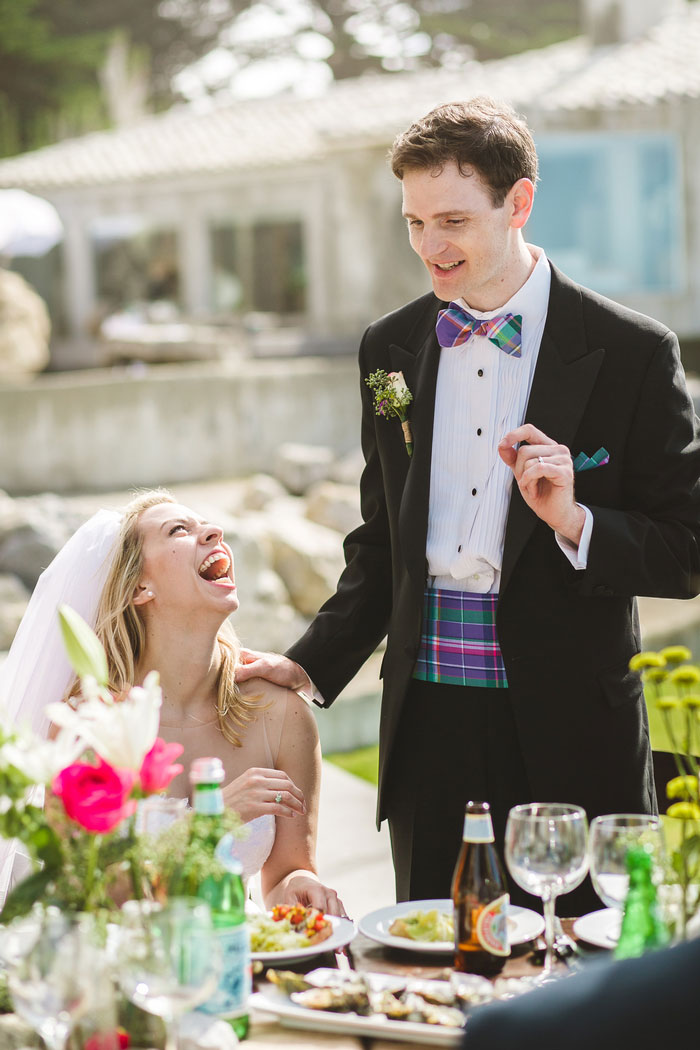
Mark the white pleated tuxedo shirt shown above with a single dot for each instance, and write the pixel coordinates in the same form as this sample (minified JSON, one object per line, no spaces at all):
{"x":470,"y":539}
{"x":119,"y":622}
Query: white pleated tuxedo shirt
{"x":481,"y":394}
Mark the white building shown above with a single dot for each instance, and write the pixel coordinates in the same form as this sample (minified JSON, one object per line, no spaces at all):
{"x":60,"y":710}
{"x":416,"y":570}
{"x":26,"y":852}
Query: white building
{"x":286,"y":206}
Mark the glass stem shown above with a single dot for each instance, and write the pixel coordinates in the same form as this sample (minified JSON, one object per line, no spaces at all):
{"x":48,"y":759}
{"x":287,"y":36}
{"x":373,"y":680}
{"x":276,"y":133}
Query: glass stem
{"x":172,"y":1041}
{"x":549,"y":902}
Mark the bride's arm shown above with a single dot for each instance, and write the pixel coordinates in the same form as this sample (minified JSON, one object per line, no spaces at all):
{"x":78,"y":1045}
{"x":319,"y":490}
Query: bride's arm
{"x":289,"y":874}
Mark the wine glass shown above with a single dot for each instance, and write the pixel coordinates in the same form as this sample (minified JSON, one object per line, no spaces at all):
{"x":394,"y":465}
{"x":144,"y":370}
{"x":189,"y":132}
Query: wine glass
{"x":546,"y":855}
{"x":169,"y":959}
{"x":611,"y":837}
{"x":53,"y":981}
{"x":158,"y":812}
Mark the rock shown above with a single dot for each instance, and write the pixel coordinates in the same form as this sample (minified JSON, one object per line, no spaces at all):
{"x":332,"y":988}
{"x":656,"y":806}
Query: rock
{"x":335,"y":506}
{"x":24,"y":327}
{"x":34,"y":537}
{"x":13,"y":603}
{"x":309,"y":558}
{"x":260,"y":490}
{"x":299,"y":466}
{"x":348,"y":469}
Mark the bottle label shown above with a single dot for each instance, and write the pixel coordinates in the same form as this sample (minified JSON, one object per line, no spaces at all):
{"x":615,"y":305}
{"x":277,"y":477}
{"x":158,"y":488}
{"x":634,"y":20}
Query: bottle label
{"x":477,"y":827}
{"x":492,"y":926}
{"x":235,"y":985}
{"x":210,"y":802}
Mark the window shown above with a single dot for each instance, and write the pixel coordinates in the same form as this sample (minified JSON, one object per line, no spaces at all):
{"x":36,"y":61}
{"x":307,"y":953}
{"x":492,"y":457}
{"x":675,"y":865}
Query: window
{"x":279,"y":274}
{"x":608,"y":210}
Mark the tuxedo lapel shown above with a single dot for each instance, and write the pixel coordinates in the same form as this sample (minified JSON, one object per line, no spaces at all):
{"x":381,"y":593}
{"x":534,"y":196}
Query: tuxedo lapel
{"x":419,"y":364}
{"x":564,"y":377}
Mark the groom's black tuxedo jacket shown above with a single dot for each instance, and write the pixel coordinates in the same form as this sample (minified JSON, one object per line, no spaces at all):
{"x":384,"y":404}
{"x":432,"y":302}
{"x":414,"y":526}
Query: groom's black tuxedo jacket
{"x":605,"y":376}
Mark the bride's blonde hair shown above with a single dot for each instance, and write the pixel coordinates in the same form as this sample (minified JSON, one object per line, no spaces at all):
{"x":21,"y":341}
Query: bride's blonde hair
{"x":123,"y":635}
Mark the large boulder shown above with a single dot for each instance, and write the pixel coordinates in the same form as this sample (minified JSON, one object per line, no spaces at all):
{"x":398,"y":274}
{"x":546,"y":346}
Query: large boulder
{"x":260,"y":490}
{"x":308,"y":557}
{"x":24,"y":327}
{"x":335,"y":506}
{"x":300,"y":466}
{"x":348,"y":469}
{"x":32,"y":531}
{"x":13,"y":603}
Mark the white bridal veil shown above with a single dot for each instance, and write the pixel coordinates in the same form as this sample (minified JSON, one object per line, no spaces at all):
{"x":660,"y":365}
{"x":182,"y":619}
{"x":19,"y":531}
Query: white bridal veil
{"x":36,"y":671}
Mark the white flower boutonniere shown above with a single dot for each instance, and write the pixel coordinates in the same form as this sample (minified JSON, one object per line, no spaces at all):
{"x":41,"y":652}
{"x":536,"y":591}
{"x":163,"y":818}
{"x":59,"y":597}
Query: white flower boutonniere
{"x":392,"y":398}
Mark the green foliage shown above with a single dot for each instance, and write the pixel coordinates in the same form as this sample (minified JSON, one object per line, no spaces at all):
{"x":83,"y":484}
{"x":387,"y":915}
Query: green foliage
{"x":364,"y":762}
{"x":175,"y":864}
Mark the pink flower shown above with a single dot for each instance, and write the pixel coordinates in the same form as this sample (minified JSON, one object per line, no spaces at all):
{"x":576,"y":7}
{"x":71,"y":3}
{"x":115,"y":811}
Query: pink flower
{"x":157,"y":769}
{"x":96,"y":797}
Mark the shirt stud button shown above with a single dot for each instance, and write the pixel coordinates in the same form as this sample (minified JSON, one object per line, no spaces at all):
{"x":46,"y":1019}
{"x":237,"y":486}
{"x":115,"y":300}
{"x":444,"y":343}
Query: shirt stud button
{"x":459,"y":549}
{"x":473,"y":492}
{"x":480,"y":372}
{"x":478,"y":431}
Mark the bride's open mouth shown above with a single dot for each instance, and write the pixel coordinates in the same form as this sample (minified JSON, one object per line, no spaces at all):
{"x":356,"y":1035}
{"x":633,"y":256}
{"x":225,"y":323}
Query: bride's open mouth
{"x":216,"y":568}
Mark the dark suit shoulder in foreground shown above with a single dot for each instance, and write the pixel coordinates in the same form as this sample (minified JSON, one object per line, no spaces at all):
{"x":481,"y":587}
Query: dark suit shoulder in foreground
{"x":645,"y":1004}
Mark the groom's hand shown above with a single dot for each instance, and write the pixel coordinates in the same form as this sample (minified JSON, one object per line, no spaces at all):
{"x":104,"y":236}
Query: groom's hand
{"x":273,"y":667}
{"x":544,"y":472}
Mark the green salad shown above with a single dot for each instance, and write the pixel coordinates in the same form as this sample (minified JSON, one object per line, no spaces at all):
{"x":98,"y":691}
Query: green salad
{"x":431,"y":925}
{"x":274,"y":935}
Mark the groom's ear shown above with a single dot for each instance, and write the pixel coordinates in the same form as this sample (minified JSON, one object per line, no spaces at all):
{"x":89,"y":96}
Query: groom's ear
{"x":142,"y":594}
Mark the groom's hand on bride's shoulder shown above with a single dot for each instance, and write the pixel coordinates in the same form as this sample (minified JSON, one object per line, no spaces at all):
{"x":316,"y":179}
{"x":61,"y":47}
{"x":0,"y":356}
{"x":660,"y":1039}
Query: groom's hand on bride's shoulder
{"x":273,"y":667}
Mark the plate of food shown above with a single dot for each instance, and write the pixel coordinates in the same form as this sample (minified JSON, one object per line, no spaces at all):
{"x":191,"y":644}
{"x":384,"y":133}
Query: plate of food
{"x":292,"y":932}
{"x":383,"y":1006}
{"x":427,"y":926}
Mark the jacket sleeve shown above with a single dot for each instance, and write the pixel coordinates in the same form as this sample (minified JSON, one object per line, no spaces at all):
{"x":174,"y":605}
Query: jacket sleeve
{"x":650,"y":545}
{"x":350,"y":625}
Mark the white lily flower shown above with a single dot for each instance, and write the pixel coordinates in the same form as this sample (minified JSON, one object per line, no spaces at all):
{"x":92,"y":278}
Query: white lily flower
{"x":41,"y":760}
{"x":121,"y":733}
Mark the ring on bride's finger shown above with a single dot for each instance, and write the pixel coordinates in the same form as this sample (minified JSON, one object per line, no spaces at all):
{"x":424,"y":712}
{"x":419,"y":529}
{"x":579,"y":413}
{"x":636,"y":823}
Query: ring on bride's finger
{"x":278,"y":797}
{"x":540,"y":460}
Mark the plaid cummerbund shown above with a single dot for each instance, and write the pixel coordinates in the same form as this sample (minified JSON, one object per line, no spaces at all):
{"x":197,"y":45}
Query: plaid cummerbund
{"x":458,"y":643}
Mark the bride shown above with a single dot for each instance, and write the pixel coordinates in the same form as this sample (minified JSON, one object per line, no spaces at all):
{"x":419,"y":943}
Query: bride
{"x":158,"y":585}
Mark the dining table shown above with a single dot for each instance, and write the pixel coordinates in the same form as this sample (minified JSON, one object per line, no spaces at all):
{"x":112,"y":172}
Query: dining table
{"x":367,"y":956}
{"x":364,"y":955}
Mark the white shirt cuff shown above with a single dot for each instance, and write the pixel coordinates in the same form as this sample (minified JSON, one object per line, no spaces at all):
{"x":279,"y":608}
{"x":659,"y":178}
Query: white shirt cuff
{"x":578,"y":556}
{"x":310,"y":693}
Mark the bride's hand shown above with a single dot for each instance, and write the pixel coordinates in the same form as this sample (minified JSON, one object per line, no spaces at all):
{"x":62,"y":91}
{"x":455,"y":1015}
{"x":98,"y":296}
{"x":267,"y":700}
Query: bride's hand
{"x":256,"y":791}
{"x":304,"y":888}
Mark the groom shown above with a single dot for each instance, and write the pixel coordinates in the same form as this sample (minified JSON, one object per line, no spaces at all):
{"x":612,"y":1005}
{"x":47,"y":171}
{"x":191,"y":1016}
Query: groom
{"x":554,"y":475}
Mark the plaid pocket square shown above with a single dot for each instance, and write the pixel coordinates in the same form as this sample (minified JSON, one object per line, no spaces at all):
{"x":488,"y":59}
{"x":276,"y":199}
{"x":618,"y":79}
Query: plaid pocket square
{"x":598,"y":459}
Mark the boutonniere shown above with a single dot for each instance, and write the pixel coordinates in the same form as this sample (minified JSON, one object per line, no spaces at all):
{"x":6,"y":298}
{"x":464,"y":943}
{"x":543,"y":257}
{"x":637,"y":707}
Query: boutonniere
{"x":392,"y":398}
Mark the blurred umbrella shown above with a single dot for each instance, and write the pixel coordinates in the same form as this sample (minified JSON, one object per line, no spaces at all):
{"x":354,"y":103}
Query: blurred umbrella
{"x":29,"y":225}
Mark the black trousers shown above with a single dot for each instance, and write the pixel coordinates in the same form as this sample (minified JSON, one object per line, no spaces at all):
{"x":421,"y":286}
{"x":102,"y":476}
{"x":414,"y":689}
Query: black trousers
{"x":456,"y":744}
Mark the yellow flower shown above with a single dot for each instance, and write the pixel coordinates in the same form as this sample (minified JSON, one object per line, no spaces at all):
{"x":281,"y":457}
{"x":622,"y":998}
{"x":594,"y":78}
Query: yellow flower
{"x":667,"y":703}
{"x":687,"y":675}
{"x":643,"y":661}
{"x":692,"y":701}
{"x":676,"y":654}
{"x":682,"y":787}
{"x":684,"y":811}
{"x":656,"y":675}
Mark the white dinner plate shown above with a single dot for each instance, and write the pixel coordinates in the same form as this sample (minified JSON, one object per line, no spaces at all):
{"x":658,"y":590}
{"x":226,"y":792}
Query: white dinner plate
{"x":523,"y":925}
{"x":601,"y":928}
{"x":273,"y":1001}
{"x":343,"y":932}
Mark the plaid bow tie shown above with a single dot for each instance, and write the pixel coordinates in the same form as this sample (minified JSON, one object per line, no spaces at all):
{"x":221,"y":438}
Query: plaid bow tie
{"x":455,"y":326}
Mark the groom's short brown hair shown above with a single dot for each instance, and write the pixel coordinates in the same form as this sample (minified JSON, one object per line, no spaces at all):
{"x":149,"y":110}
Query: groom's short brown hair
{"x":481,"y":133}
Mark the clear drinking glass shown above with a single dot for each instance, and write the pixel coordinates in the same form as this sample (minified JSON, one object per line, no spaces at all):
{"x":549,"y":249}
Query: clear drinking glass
{"x":169,"y":958}
{"x":610,"y":838}
{"x":53,"y":980}
{"x":545,"y":851}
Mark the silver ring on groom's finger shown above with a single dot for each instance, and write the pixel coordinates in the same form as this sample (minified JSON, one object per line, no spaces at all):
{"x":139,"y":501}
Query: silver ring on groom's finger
{"x":278,"y":797}
{"x":540,"y":460}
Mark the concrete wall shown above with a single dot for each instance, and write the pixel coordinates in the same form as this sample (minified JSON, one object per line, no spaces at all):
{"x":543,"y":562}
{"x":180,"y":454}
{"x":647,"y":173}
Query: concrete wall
{"x":107,"y":429}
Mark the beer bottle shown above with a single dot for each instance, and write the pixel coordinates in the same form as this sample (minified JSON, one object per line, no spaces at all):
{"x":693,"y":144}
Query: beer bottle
{"x":642,"y":928}
{"x":224,"y":895}
{"x":480,"y":898}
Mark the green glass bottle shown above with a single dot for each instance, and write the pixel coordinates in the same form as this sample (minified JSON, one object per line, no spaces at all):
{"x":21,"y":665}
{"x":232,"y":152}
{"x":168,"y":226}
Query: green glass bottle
{"x":642,"y":927}
{"x":225,"y":896}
